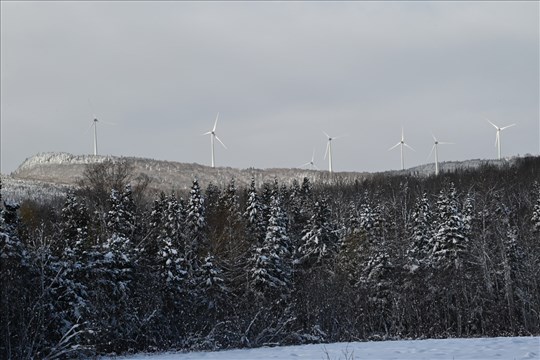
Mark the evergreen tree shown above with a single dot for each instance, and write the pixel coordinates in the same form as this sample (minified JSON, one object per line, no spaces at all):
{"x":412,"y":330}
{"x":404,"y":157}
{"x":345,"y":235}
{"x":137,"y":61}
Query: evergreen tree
{"x":121,"y":217}
{"x":196,"y":241}
{"x":74,"y":227}
{"x":212,"y":287}
{"x":254,"y":215}
{"x":450,"y":242}
{"x":72,"y":268}
{"x":14,"y":276}
{"x":170,"y":243}
{"x":319,"y":240}
{"x":271,"y":271}
{"x":112,"y":263}
{"x":536,"y":210}
{"x":234,"y":228}
{"x":422,"y":234}
{"x":299,"y":205}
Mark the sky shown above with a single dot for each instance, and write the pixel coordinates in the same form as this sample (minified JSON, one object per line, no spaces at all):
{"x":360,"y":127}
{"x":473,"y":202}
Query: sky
{"x":278,"y":73}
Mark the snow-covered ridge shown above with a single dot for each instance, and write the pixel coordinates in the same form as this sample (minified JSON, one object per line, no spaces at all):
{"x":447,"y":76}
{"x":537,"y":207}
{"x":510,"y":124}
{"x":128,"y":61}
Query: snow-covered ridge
{"x":61,"y":158}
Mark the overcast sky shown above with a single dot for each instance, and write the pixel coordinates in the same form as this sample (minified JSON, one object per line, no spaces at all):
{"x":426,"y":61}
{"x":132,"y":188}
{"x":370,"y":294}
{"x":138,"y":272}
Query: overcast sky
{"x":279,"y":73}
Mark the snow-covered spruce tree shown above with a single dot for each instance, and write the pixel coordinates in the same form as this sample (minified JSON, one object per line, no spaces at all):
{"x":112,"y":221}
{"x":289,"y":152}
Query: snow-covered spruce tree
{"x":450,"y":260}
{"x":254,"y":215}
{"x":270,"y":270}
{"x":375,"y":269}
{"x":300,"y":207}
{"x":512,"y":264}
{"x":234,"y":226}
{"x":74,"y":227}
{"x":422,"y":234}
{"x":121,"y":218}
{"x":319,"y":241}
{"x":171,"y":252}
{"x":468,"y":215}
{"x":376,"y":278}
{"x":14,"y":274}
{"x":195,"y":226}
{"x":212,"y":299}
{"x":72,"y":269}
{"x":450,"y":241}
{"x":149,"y":248}
{"x":112,"y":263}
{"x":355,"y":244}
{"x":536,"y":210}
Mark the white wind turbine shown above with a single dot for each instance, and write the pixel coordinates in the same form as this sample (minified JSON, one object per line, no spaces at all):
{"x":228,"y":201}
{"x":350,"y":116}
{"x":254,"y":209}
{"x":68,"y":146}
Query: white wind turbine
{"x":498,"y":137}
{"x":311,"y":163}
{"x":435,"y":147}
{"x":329,"y":150}
{"x":401,"y":143}
{"x":213,"y":136}
{"x":94,"y":124}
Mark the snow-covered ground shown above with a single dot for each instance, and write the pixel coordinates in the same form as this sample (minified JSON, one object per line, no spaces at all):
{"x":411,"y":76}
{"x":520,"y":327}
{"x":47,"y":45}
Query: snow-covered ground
{"x":512,"y":348}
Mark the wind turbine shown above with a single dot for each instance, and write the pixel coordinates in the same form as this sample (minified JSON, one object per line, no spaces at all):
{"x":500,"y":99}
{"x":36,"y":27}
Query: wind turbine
{"x":401,"y":143}
{"x":94,"y":124}
{"x":436,"y":144}
{"x":498,"y":136}
{"x":213,"y":136}
{"x":311,"y":163}
{"x":329,"y":150}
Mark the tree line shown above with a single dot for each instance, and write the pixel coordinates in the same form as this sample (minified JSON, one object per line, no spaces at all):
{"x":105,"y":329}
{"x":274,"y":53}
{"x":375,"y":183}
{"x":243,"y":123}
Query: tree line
{"x":115,"y":269}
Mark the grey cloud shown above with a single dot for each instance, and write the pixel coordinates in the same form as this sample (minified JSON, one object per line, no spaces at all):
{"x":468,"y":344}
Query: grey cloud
{"x":278,"y":73}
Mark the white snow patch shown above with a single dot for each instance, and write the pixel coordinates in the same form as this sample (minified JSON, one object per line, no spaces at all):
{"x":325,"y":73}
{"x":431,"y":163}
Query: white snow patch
{"x":511,"y":348}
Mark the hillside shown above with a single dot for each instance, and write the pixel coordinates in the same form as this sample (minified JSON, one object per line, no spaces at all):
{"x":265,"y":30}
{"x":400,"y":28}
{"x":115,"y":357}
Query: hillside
{"x":48,"y":175}
{"x":225,"y":268}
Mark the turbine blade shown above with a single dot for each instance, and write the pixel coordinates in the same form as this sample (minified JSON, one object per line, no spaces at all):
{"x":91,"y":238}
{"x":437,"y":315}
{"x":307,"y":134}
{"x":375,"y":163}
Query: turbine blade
{"x":495,"y":126}
{"x":431,"y":152}
{"x":108,"y":123}
{"x":506,"y":127}
{"x":395,"y":146}
{"x":446,"y":143}
{"x":221,"y":142}
{"x":306,"y":164}
{"x":316,"y":167}
{"x":215,"y":123}
{"x":434,"y":138}
{"x":207,"y":133}
{"x":328,"y":136}
{"x":90,"y":127}
{"x":327,"y":146}
{"x":408,"y":147}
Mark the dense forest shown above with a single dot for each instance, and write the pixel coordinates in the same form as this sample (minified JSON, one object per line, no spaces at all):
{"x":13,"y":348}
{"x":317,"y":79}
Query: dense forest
{"x":114,"y":268}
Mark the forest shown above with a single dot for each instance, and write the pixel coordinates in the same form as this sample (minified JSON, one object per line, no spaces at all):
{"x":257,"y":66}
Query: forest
{"x":113,"y":268}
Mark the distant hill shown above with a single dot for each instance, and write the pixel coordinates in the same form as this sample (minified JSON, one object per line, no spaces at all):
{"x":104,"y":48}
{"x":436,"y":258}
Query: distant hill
{"x":52,"y":174}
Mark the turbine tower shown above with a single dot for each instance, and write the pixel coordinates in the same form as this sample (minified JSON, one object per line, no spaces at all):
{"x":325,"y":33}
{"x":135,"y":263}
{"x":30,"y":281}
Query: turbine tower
{"x":329,"y":150}
{"x":498,"y":137}
{"x":94,"y":124}
{"x":436,"y":144}
{"x":213,"y":136}
{"x":401,"y":143}
{"x":311,"y":164}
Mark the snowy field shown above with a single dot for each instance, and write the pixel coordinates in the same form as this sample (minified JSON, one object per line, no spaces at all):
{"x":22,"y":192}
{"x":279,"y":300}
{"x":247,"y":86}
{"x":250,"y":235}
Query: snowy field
{"x":514,"y":348}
